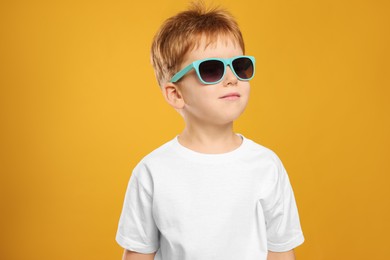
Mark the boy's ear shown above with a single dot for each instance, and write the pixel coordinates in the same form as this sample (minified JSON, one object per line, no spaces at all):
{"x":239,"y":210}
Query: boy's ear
{"x":172,"y":95}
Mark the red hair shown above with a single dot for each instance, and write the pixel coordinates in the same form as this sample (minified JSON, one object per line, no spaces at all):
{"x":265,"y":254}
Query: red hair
{"x":181,"y":33}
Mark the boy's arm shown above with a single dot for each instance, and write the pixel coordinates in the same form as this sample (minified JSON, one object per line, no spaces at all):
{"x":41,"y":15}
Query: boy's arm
{"x":289,"y":255}
{"x":131,"y":255}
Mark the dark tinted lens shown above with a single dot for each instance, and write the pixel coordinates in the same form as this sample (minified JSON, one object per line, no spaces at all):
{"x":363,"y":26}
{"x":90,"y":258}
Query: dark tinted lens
{"x":243,"y":67}
{"x":211,"y":70}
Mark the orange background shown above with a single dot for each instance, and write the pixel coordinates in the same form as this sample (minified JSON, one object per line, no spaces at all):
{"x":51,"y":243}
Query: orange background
{"x":80,"y":107}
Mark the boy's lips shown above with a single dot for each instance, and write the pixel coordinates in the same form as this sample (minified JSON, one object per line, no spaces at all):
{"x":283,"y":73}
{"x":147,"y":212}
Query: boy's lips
{"x":232,"y":95}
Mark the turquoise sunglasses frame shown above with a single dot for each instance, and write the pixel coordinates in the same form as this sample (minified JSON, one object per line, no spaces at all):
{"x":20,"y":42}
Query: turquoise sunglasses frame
{"x":226,"y":62}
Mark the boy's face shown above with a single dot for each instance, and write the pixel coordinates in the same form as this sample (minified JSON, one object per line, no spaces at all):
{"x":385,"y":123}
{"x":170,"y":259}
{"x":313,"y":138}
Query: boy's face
{"x":219,"y":103}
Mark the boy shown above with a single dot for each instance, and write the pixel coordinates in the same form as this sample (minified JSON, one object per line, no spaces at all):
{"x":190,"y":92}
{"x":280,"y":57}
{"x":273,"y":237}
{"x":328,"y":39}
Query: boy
{"x":209,"y":193}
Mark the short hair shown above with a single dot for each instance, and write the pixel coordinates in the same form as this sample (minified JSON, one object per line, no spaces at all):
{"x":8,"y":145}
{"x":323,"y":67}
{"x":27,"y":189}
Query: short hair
{"x":181,"y":33}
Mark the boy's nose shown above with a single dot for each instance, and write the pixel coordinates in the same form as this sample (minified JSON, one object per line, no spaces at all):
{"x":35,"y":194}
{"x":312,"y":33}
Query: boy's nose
{"x":230,"y":78}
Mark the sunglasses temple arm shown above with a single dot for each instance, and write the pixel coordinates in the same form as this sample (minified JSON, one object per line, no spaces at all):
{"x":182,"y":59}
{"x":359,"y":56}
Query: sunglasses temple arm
{"x":181,"y":73}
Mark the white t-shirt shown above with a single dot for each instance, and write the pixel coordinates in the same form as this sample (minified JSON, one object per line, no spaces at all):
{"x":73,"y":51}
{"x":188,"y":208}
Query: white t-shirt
{"x":188,"y":205}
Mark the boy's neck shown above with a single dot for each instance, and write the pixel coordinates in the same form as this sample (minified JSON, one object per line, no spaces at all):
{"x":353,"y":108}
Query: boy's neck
{"x":212,"y":139}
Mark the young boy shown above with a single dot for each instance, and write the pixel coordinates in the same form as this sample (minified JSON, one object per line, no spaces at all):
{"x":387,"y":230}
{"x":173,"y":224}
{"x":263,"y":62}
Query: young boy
{"x":209,"y":193}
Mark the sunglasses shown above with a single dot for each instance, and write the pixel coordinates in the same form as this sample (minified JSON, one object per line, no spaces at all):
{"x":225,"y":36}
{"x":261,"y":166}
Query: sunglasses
{"x":212,"y":70}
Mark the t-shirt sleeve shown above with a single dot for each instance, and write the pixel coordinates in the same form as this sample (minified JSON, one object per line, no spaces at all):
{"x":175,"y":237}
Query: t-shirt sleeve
{"x":281,"y":214}
{"x":137,"y":230}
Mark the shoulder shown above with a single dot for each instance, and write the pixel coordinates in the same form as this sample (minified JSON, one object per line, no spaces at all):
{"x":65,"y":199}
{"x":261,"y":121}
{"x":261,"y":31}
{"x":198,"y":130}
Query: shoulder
{"x":143,"y":173}
{"x":163,"y":152}
{"x":265,"y":159}
{"x":260,"y":151}
{"x":159,"y":156}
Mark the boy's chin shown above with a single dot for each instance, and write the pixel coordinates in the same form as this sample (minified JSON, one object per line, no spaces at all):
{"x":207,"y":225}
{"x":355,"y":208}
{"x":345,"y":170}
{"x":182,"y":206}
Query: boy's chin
{"x":217,"y":118}
{"x":226,"y":119}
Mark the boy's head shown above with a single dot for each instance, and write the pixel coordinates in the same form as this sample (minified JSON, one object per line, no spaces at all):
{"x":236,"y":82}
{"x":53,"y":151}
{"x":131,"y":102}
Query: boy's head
{"x":183,"y":32}
{"x":199,"y":64}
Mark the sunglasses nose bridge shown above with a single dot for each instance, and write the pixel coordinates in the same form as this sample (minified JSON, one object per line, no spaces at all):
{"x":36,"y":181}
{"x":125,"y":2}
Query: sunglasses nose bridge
{"x":229,"y":67}
{"x":230,"y":75}
{"x":229,"y":63}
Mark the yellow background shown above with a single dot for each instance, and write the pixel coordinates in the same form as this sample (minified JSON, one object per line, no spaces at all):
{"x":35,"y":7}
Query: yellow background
{"x":80,"y":107}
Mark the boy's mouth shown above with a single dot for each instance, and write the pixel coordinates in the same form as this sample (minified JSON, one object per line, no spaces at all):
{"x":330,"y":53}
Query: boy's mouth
{"x":233,"y":95}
